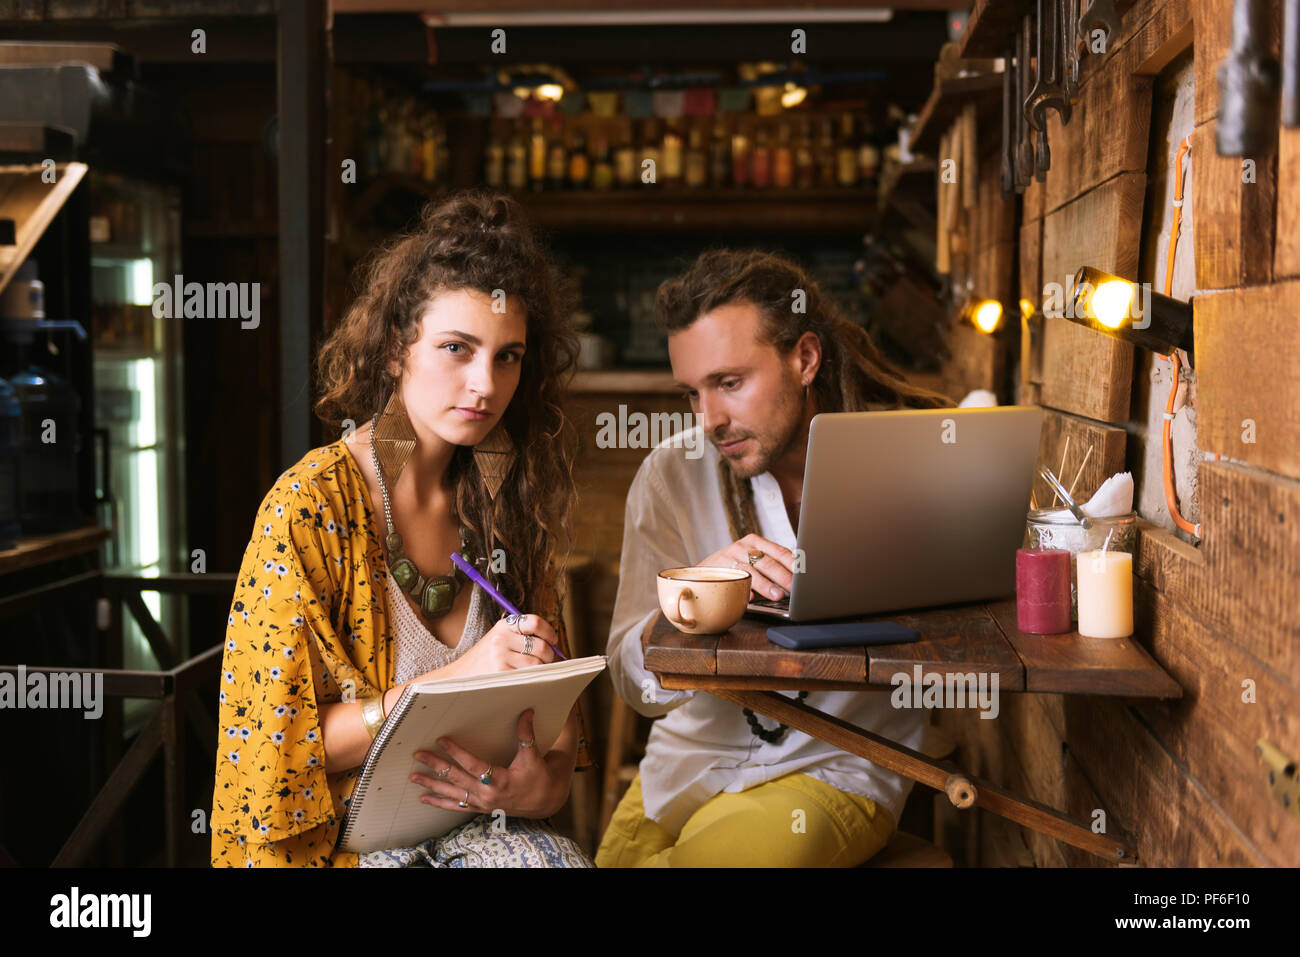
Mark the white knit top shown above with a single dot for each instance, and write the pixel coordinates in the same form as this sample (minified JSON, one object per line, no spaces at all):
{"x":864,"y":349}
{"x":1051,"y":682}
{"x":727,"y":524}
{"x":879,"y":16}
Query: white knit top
{"x":415,"y":649}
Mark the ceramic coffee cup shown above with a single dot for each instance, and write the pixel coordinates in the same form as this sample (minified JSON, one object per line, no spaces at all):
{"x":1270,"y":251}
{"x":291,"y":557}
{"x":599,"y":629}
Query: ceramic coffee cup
{"x":702,"y":600}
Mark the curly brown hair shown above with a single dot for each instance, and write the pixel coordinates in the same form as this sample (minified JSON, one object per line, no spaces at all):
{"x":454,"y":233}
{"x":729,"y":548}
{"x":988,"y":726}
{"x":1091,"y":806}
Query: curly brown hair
{"x":853,"y":375}
{"x":474,"y":240}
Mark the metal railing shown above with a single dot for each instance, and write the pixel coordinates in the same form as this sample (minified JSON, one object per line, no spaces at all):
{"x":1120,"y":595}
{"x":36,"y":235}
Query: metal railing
{"x":173,"y":686}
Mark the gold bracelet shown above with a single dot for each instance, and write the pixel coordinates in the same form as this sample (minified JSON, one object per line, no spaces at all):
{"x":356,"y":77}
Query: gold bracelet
{"x":372,"y":713}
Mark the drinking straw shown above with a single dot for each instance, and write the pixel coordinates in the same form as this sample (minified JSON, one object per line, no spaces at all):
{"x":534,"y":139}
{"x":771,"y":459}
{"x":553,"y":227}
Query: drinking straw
{"x":1061,"y":470}
{"x":1080,"y":472}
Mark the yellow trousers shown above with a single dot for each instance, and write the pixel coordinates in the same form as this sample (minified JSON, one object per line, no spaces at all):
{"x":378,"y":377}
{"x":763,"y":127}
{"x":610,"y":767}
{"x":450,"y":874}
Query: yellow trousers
{"x":794,"y":821}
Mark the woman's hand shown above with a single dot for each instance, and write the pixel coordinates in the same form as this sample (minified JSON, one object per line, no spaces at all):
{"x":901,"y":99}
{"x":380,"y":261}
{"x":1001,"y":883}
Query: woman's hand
{"x":532,"y":787}
{"x":508,"y":646}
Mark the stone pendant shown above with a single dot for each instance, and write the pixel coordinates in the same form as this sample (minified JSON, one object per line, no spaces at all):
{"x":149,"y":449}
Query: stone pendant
{"x":437,"y":597}
{"x":404,"y":573}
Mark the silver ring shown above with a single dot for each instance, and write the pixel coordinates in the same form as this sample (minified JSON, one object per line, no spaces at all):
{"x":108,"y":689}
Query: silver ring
{"x":444,"y":773}
{"x":528,"y":644}
{"x":512,"y":620}
{"x":527,"y":744}
{"x":486,"y":776}
{"x":464,"y":803}
{"x":755,"y":556}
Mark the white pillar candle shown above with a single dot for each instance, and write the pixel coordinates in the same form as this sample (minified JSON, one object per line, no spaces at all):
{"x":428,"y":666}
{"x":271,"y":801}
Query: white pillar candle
{"x":1105,"y":594}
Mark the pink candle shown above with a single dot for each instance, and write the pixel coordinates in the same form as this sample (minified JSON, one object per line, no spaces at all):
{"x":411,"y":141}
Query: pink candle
{"x":1043,"y":591}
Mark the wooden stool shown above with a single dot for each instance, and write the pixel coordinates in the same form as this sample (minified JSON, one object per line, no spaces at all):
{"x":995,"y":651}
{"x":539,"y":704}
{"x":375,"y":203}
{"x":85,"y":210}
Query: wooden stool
{"x":584,"y":796}
{"x":908,"y":850}
{"x":622,"y":757}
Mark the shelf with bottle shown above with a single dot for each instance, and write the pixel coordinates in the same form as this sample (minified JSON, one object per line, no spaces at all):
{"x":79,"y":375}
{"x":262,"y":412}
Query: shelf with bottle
{"x":743,"y":152}
{"x":400,"y":135}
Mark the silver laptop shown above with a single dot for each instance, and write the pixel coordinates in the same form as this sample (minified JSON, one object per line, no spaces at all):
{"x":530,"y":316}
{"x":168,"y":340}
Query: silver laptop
{"x":911,"y":509}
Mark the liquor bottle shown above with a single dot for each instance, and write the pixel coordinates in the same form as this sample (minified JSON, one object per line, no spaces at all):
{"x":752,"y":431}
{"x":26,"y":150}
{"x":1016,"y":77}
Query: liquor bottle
{"x":602,"y":170}
{"x":374,"y":141}
{"x":395,"y":153}
{"x":846,"y":154}
{"x":517,"y":159}
{"x":537,"y":155}
{"x":697,"y":160}
{"x":442,"y":151}
{"x":825,"y":155}
{"x":740,"y":157}
{"x":579,"y":163}
{"x":805,"y":168}
{"x":557,"y":158}
{"x":671,"y":173}
{"x":783,"y":159}
{"x":415,"y":128}
{"x":720,"y":155}
{"x":494,"y":163}
{"x":625,"y":164}
{"x":650,"y":150}
{"x":429,"y":150}
{"x":761,"y":162}
{"x":868,"y":158}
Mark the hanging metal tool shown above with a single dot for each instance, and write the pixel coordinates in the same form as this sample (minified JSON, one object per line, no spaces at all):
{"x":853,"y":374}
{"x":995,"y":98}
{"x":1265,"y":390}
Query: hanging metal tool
{"x":1048,"y":92}
{"x":1070,"y":48}
{"x":1008,"y":173}
{"x":1024,"y":168}
{"x":1248,"y":84}
{"x":1291,"y":63}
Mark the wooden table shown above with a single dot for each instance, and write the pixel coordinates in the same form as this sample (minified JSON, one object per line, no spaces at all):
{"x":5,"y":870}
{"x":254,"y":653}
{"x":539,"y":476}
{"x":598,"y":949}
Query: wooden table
{"x":743,"y":667}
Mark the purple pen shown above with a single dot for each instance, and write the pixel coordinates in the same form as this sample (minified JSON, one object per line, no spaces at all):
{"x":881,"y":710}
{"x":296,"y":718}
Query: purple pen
{"x":495,"y":595}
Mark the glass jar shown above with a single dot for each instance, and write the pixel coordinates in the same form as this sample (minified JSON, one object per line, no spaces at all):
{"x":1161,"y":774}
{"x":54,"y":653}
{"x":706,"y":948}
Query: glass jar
{"x":1057,"y":528}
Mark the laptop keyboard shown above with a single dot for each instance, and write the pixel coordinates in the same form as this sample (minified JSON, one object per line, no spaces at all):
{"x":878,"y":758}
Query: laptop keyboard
{"x":781,"y":604}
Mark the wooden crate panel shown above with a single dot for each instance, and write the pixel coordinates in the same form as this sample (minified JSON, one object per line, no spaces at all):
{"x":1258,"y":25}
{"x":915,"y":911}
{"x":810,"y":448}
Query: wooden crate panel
{"x":1248,"y":376}
{"x":1211,"y":731}
{"x":1085,"y":372}
{"x":1286,"y":257}
{"x":1175,"y":821}
{"x":1233,"y":231}
{"x":1107,"y":457}
{"x":1107,"y":134}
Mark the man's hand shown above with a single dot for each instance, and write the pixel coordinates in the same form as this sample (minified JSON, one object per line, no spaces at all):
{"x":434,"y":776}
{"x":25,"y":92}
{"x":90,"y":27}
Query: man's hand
{"x":773,"y":574}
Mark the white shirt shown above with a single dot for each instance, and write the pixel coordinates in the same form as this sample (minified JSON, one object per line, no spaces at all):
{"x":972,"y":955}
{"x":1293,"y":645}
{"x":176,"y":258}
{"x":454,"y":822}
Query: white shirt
{"x":702,"y":745}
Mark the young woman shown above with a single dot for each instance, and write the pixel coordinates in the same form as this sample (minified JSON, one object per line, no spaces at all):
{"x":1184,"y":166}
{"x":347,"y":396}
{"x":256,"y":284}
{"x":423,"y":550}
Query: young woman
{"x":451,"y":359}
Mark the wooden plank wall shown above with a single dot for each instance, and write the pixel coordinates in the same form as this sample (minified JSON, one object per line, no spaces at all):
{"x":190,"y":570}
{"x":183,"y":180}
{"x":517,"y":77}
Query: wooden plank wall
{"x":983,"y":261}
{"x":1181,"y":778}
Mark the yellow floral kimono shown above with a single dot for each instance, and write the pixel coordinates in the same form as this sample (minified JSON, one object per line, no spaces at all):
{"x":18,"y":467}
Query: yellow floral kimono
{"x":308,"y":621}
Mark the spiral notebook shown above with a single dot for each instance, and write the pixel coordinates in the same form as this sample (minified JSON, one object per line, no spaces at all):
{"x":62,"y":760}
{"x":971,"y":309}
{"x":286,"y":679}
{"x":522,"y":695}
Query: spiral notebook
{"x":481,"y":714}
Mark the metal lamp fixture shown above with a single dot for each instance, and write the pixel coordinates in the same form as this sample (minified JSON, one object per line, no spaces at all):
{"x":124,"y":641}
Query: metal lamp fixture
{"x":1122,"y":310}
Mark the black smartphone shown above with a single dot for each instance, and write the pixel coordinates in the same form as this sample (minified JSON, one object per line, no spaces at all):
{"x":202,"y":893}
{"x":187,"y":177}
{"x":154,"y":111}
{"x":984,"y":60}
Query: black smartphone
{"x":802,"y":637}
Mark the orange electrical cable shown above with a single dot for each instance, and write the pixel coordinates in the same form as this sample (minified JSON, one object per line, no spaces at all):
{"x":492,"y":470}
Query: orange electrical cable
{"x":1170,"y":499}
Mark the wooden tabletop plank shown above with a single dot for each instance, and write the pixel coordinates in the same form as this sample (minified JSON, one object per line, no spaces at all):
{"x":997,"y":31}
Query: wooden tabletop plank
{"x":746,"y":651}
{"x":712,"y":682}
{"x":669,"y":650}
{"x":978,"y":637}
{"x":1072,"y":664}
{"x":954,"y":638}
